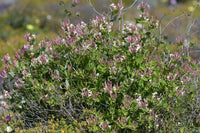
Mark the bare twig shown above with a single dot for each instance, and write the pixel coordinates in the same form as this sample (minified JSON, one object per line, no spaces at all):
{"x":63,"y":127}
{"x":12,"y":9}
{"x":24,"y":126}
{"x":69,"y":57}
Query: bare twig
{"x":172,"y":21}
{"x":189,"y":27}
{"x":125,"y":10}
{"x":94,"y":8}
{"x":160,"y":27}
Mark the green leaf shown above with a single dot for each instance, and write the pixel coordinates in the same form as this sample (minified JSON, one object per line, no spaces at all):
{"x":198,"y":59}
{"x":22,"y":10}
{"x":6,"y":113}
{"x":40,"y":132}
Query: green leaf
{"x":69,"y":14}
{"x":74,"y":5}
{"x":11,"y":73}
{"x":66,"y":83}
{"x":61,"y":3}
{"x":182,"y":129}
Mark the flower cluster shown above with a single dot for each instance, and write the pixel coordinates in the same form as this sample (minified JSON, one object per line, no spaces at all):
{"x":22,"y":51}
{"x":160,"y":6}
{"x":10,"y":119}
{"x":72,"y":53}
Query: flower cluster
{"x":100,"y":79}
{"x":141,"y":102}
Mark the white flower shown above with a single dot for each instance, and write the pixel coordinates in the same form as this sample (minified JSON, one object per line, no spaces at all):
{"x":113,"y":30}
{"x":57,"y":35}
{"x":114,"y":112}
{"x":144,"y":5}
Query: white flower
{"x":34,"y":36}
{"x":139,"y":25}
{"x":94,"y":23}
{"x":1,"y":97}
{"x":71,"y":26}
{"x":137,"y":47}
{"x":113,"y":7}
{"x":154,"y":94}
{"x":89,"y":93}
{"x":49,"y":17}
{"x":114,"y":43}
{"x":4,"y":104}
{"x":9,"y":129}
{"x":186,"y":44}
{"x":101,"y":27}
{"x":123,"y":43}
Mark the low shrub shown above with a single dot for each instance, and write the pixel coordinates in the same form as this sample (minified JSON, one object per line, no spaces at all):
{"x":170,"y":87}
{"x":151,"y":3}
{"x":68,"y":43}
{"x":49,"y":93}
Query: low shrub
{"x":100,"y":79}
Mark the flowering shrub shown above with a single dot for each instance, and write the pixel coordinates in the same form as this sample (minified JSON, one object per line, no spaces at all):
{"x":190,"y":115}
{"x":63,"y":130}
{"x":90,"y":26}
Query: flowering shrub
{"x":99,"y":79}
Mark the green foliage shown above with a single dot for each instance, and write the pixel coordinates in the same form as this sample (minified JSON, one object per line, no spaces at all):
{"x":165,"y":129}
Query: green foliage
{"x":101,"y":80}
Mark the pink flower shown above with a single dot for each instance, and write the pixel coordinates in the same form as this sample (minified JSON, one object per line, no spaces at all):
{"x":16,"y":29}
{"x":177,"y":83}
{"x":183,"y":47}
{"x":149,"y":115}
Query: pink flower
{"x":127,"y":101}
{"x":17,"y":56}
{"x":24,"y":73}
{"x":173,"y":2}
{"x":3,"y":74}
{"x":143,"y":6}
{"x":122,"y":120}
{"x":95,"y":95}
{"x":120,"y":6}
{"x":22,"y":50}
{"x":27,"y":36}
{"x":128,"y":39}
{"x":75,"y":1}
{"x":27,"y":47}
{"x":104,"y":126}
{"x":7,"y":67}
{"x":19,"y":83}
{"x":89,"y":121}
{"x":6,"y":58}
{"x":113,"y":96}
{"x":179,"y":39}
{"x":4,"y":105}
{"x":86,"y":92}
{"x":195,"y":73}
{"x":15,"y":63}
{"x":57,"y":41}
{"x":108,"y":87}
{"x":43,"y":59}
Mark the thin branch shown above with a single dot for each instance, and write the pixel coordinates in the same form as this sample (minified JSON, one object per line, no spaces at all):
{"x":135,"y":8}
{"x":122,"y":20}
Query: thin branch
{"x":190,"y":26}
{"x":171,"y":22}
{"x":124,"y":10}
{"x":160,"y":27}
{"x":191,"y":22}
{"x":94,"y":8}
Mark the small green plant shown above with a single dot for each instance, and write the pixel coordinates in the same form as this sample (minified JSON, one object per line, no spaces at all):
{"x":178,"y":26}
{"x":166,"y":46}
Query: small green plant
{"x":100,"y":79}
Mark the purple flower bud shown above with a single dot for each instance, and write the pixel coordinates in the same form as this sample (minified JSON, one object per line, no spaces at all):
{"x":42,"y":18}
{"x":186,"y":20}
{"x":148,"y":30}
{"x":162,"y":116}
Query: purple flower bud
{"x":8,"y":118}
